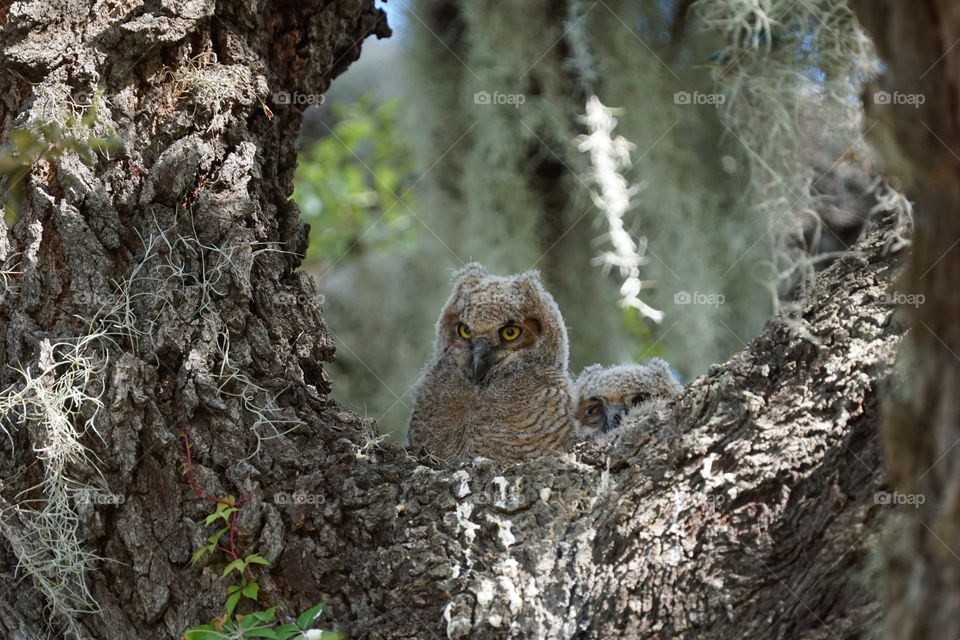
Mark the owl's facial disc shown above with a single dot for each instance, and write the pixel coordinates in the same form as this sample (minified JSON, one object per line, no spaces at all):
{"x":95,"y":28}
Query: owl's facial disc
{"x":604,"y":414}
{"x":613,"y":414}
{"x":600,"y":415}
{"x":486,"y":348}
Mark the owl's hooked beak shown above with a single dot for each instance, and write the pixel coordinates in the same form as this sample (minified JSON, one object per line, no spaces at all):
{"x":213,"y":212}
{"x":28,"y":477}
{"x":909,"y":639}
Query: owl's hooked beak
{"x":612,"y":415}
{"x":481,"y":359}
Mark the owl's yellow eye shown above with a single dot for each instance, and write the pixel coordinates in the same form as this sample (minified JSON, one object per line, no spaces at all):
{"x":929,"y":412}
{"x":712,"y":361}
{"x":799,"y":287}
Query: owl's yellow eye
{"x":510,"y":332}
{"x":463,"y":331}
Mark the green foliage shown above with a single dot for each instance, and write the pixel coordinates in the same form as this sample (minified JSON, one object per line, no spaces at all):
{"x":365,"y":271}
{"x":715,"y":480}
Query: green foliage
{"x":264,"y":624}
{"x":259,"y":624}
{"x":48,"y":141}
{"x":347,"y":181}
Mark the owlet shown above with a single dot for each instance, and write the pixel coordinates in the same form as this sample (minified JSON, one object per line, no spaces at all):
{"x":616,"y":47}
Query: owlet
{"x":604,"y":396}
{"x":496,"y":384}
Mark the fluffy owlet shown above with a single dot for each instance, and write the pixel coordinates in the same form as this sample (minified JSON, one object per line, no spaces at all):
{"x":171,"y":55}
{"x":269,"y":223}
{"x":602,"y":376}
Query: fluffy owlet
{"x":496,"y":384}
{"x":604,"y":396}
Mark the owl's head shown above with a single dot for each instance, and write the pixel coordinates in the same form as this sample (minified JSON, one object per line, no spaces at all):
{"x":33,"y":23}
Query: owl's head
{"x":604,"y":396}
{"x":494,"y":325}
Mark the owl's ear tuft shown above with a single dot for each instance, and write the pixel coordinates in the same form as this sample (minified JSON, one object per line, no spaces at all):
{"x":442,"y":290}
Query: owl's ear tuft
{"x":588,"y":372}
{"x":529,"y":281}
{"x":530,"y":276}
{"x":469,"y":273}
{"x":661,"y":366}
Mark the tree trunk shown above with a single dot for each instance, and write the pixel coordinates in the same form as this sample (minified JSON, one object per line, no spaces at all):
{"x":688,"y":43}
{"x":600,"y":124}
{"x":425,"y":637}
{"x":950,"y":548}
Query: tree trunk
{"x":159,"y":281}
{"x":918,"y":41}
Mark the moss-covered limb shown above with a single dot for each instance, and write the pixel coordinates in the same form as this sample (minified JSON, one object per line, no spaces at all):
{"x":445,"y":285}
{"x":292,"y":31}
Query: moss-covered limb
{"x":812,"y":124}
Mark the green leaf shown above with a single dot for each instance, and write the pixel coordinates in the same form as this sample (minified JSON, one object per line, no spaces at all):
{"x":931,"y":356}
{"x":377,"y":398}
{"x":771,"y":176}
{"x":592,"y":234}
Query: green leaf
{"x":261,"y":633}
{"x":256,"y":558}
{"x":199,"y":554}
{"x":239,"y":565}
{"x":216,"y":537}
{"x":222,"y":512}
{"x":232,"y":602}
{"x":251,"y":590}
{"x":266,"y":615}
{"x":308,"y":617}
{"x":246,"y":623}
{"x":203,"y":632}
{"x":286,"y":631}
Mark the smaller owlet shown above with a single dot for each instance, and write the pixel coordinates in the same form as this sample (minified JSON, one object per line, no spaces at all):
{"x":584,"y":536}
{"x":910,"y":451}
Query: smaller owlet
{"x":604,"y":396}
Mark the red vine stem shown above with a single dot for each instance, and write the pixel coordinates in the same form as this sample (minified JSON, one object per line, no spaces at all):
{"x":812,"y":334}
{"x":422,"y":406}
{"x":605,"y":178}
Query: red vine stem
{"x":234,"y":504}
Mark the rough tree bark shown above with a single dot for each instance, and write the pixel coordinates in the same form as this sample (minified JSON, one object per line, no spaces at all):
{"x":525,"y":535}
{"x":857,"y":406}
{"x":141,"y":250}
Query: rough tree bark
{"x":190,"y":216}
{"x":918,"y":41}
{"x":745,"y":510}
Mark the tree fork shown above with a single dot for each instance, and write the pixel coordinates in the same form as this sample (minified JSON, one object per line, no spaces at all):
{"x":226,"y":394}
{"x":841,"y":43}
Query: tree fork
{"x":745,"y":510}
